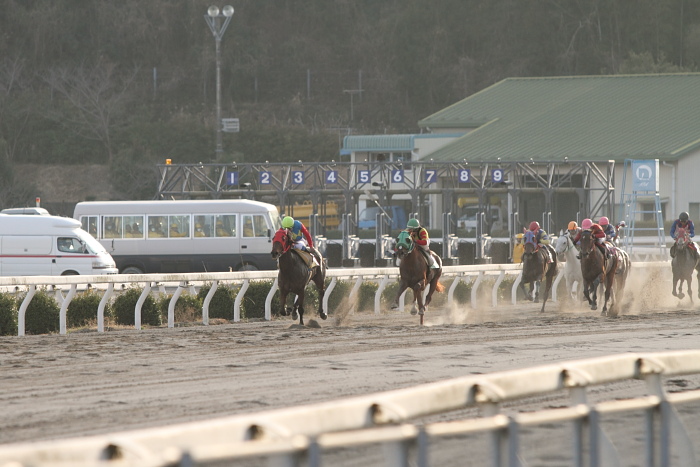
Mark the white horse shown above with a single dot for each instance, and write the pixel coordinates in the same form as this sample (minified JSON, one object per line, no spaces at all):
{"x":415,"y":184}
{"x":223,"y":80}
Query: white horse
{"x":566,"y":251}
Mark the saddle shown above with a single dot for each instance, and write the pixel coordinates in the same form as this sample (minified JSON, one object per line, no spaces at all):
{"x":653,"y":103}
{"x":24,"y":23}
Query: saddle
{"x":309,"y":259}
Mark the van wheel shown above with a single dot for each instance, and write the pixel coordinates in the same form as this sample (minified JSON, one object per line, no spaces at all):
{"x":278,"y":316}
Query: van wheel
{"x":70,"y":273}
{"x":132,"y":270}
{"x":248,"y":267}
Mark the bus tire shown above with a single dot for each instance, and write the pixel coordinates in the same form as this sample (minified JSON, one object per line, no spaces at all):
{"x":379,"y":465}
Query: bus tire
{"x":248,"y":267}
{"x":132,"y":270}
{"x":69,"y":273}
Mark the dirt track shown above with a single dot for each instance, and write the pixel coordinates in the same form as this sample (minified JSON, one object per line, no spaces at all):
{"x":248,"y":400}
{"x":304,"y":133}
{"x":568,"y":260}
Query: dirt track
{"x":87,"y":383}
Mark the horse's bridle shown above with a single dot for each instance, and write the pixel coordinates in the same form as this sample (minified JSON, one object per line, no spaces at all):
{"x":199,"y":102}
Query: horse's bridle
{"x":585,"y":253}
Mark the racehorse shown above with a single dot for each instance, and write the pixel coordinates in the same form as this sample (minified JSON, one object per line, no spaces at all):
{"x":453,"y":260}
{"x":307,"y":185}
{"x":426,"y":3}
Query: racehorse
{"x":416,"y":274}
{"x":295,"y":274}
{"x":683,"y":264}
{"x":595,"y":270}
{"x":567,"y":252}
{"x":536,"y":268}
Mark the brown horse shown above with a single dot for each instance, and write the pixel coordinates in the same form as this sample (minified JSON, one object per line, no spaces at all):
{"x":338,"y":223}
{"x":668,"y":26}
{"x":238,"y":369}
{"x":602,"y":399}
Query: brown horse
{"x":683,"y":264}
{"x":295,"y":274}
{"x":416,"y":274}
{"x":596,"y":270}
{"x":536,"y":268}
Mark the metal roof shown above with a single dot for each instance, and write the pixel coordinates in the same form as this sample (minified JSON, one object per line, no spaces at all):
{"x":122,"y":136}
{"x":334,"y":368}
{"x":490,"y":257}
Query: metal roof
{"x":582,"y":118}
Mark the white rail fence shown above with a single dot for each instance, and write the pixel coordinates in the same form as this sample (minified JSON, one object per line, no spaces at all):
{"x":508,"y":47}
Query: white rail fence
{"x":305,"y":435}
{"x":476,"y":275}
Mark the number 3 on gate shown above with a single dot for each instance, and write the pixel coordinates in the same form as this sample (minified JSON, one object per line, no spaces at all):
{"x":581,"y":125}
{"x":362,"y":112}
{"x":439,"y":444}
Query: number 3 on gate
{"x":298,"y":177}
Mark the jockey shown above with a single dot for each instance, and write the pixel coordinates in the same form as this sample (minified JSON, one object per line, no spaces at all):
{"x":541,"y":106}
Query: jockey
{"x":541,"y":238}
{"x":420,"y":237}
{"x":608,"y":228}
{"x":683,"y":222}
{"x":597,"y":233}
{"x":573,"y":229}
{"x":301,"y":237}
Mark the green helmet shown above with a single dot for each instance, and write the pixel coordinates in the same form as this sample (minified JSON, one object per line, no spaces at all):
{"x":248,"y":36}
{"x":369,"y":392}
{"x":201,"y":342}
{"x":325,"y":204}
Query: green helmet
{"x":288,"y":222}
{"x":413,"y":224}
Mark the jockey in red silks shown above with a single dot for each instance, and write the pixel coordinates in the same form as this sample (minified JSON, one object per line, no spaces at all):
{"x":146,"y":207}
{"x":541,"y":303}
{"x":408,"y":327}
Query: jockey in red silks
{"x":685,"y":223}
{"x":596,"y":232}
{"x":301,"y":237}
{"x":541,"y":238}
{"x":420,"y":237}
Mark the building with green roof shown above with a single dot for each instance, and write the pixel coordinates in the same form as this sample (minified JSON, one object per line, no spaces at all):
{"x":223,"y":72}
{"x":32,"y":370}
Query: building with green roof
{"x":559,"y":120}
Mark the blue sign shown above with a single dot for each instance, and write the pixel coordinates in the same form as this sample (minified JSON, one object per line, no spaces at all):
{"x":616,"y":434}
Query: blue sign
{"x":331,"y":176}
{"x":430,"y":176}
{"x":232,"y":178}
{"x":363,"y":176}
{"x":265,"y":178}
{"x":298,"y":177}
{"x":397,"y":176}
{"x":645,"y":175}
{"x":497,"y":175}
{"x":464,"y":175}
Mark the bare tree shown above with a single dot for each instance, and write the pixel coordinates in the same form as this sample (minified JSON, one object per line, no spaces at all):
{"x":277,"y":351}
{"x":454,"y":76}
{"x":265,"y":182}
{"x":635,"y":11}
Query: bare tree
{"x":95,"y":97}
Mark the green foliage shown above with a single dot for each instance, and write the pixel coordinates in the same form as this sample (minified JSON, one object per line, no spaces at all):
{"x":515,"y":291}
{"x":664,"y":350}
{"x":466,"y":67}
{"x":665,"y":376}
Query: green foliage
{"x":366,"y":296}
{"x":8,"y":314}
{"x":82,"y":310}
{"x":188,"y":308}
{"x":340,"y":292}
{"x":221,"y":304}
{"x":42,"y":315}
{"x":125,"y":304}
{"x":253,"y":304}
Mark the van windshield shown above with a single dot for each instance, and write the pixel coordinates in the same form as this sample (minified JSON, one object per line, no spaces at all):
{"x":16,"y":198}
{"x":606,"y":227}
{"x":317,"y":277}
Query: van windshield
{"x":92,"y":245}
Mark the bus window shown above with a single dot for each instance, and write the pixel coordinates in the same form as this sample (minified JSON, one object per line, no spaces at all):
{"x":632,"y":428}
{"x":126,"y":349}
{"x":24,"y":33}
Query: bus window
{"x":203,"y":226}
{"x":179,"y":226}
{"x":112,"y":227}
{"x":226,"y":225}
{"x":156,"y":226}
{"x":254,"y":226}
{"x":133,"y":227}
{"x":89,"y":224}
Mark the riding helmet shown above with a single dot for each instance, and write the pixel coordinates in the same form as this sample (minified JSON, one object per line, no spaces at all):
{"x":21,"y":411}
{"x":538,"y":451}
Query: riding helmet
{"x":572,"y":225}
{"x":534,"y":225}
{"x":586,"y":224}
{"x":288,"y":222}
{"x":684,"y":216}
{"x":413,"y":224}
{"x":604,"y":221}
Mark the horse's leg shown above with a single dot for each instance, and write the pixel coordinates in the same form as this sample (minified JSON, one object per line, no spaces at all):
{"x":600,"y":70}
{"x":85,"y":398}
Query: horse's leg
{"x":300,"y":307}
{"x":283,"y":302}
{"x":528,"y":295}
{"x":402,"y":288}
{"x":547,"y":289}
{"x":320,"y":285}
{"x":433,"y":286}
{"x":418,"y":294}
{"x":536,"y":285}
{"x":295,"y":308}
{"x":594,"y":288}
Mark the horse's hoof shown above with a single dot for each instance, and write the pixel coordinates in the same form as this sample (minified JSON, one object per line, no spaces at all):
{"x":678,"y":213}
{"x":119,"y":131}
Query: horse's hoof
{"x":414,"y":311}
{"x":537,"y":300}
{"x":421,"y":313}
{"x":681,"y":296}
{"x":295,"y":315}
{"x":394,"y":306}
{"x":594,"y":307}
{"x":324,"y":315}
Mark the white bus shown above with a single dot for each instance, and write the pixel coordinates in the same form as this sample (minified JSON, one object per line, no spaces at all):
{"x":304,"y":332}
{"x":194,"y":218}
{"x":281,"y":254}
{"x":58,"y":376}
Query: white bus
{"x":183,"y":236}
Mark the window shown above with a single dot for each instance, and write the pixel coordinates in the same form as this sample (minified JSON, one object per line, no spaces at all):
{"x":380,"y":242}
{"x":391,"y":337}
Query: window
{"x":204,"y":226}
{"x":112,"y":227}
{"x":133,"y":226}
{"x":89,"y":224}
{"x":254,"y":226}
{"x":70,"y":245}
{"x":156,"y":226}
{"x":179,"y":226}
{"x":225,"y":225}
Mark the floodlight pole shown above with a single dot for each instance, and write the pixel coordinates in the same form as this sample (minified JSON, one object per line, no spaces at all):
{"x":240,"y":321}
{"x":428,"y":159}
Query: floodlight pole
{"x":212,"y":18}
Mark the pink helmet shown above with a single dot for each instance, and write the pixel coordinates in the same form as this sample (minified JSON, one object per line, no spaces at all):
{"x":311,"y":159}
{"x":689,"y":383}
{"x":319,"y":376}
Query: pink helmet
{"x":604,"y":221}
{"x":534,"y":225}
{"x":586,"y":224}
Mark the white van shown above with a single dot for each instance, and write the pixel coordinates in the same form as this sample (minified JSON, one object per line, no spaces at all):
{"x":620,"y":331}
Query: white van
{"x":33,"y":245}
